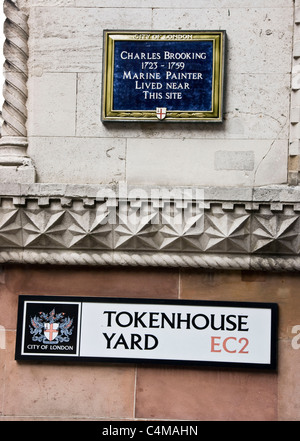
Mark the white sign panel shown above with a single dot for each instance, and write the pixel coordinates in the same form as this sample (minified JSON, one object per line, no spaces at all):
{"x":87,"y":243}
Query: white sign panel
{"x":138,"y":330}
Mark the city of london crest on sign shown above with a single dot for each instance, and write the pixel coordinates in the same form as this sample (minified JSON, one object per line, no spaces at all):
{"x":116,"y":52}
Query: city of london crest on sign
{"x":51,"y":328}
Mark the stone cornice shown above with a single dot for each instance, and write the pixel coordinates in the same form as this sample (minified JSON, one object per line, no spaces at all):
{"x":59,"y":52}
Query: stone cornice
{"x":225,"y":228}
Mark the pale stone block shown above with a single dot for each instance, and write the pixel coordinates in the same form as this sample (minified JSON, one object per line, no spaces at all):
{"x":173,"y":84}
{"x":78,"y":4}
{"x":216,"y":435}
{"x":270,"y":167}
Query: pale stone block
{"x":191,"y":162}
{"x":115,"y":3}
{"x":294,"y":147}
{"x":294,"y":132}
{"x":296,"y":76}
{"x":89,"y":106}
{"x":53,"y":3}
{"x":66,"y":39}
{"x":78,"y":160}
{"x":275,"y":193}
{"x":178,"y":3}
{"x":234,"y":160}
{"x":272,"y":165}
{"x":297,"y":15}
{"x":257,"y":105}
{"x":22,"y":174}
{"x":256,"y":36}
{"x":295,"y":115}
{"x":296,"y":51}
{"x":52,"y":105}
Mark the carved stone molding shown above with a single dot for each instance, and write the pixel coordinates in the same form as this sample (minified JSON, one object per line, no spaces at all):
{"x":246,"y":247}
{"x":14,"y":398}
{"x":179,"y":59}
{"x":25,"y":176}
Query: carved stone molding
{"x":16,"y":73}
{"x":228,"y":228}
{"x":15,"y":165}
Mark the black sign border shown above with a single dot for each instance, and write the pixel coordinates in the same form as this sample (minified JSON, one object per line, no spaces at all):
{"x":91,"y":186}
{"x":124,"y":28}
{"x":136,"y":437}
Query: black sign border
{"x":235,"y":304}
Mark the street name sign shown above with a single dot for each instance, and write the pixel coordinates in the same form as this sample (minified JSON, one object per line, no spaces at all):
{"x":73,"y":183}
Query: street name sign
{"x":163,"y":76}
{"x":146,"y":331}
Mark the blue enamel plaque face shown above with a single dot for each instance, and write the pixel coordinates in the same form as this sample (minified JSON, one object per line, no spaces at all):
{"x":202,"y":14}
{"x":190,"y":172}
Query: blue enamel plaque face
{"x":163,"y":76}
{"x":161,"y":80}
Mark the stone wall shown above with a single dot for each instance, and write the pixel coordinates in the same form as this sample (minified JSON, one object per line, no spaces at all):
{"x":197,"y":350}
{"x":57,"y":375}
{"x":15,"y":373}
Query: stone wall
{"x":53,"y":136}
{"x":69,"y":144}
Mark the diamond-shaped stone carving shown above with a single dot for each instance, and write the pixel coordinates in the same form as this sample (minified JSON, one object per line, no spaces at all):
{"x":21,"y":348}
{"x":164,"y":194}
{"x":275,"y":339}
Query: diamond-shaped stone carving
{"x":43,"y":228}
{"x":181,"y":232}
{"x":10,"y":228}
{"x":226,"y":232}
{"x":89,"y":228}
{"x":275,"y":233}
{"x":170,"y":227}
{"x":137,"y":228}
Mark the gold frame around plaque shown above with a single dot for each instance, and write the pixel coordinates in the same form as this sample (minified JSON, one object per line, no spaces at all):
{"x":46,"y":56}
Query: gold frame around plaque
{"x":215,"y":115}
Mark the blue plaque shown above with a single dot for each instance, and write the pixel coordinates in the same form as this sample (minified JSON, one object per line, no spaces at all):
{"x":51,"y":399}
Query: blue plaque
{"x":171,"y":76}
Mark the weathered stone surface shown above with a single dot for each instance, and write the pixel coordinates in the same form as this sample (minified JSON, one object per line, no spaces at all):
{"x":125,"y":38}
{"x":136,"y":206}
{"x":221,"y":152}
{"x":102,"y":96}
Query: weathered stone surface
{"x":234,"y":160}
{"x":65,"y":67}
{"x":260,"y":28}
{"x":88,"y":160}
{"x":172,"y":4}
{"x":52,"y":105}
{"x":65,"y":39}
{"x":193,"y":162}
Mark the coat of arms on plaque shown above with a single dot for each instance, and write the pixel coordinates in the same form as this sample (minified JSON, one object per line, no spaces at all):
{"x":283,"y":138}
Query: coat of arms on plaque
{"x":51,"y":328}
{"x":161,"y":112}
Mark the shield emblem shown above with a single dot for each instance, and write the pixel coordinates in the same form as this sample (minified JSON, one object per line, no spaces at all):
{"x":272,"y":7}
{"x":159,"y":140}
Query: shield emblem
{"x":51,"y":330}
{"x":161,"y":112}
